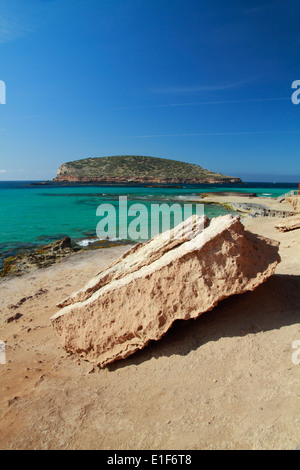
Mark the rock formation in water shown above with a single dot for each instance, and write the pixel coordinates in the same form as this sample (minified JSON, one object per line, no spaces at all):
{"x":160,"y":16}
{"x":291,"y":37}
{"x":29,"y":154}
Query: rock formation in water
{"x":42,"y":257}
{"x":137,"y":299}
{"x":134,"y":169}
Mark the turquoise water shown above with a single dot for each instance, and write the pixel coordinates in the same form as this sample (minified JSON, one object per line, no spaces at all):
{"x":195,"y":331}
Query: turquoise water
{"x":36,"y":215}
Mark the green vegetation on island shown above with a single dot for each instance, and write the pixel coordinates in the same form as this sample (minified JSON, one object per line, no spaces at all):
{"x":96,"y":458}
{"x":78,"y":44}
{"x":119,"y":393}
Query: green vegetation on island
{"x":134,"y":169}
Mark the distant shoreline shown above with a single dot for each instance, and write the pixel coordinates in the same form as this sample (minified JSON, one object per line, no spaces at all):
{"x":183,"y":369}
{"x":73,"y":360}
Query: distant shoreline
{"x":270,"y":184}
{"x":179,"y":185}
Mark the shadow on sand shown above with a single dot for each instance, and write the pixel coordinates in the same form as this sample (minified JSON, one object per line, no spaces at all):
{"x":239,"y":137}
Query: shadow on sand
{"x":274,"y":304}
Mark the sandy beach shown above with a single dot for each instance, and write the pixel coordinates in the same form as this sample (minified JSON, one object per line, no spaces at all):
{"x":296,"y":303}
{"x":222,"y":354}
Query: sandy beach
{"x":224,"y":381}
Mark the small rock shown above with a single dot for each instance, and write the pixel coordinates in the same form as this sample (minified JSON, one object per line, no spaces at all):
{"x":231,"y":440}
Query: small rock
{"x":14,"y":317}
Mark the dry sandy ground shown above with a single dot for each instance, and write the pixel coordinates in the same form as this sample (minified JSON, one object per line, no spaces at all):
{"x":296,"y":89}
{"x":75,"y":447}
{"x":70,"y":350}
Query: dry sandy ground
{"x":223,"y":381}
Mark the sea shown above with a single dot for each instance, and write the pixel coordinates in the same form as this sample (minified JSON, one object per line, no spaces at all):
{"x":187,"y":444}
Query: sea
{"x":34,"y":214}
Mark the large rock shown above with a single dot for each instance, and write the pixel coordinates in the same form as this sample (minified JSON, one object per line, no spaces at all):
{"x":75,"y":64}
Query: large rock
{"x":138,"y":298}
{"x":141,"y":254}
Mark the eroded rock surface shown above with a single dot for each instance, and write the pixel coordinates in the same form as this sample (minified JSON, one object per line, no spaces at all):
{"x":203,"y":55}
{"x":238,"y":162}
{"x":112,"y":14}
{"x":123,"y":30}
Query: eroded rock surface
{"x":295,"y":202}
{"x":40,"y":258}
{"x":141,"y":254}
{"x":137,"y":298}
{"x":289,"y":224}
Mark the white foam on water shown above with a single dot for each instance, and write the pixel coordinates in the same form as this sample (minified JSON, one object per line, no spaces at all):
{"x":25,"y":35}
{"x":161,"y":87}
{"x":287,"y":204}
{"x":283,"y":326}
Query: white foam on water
{"x":89,"y":241}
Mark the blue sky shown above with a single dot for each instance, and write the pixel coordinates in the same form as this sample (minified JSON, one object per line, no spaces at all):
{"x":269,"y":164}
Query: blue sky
{"x":197,"y":81}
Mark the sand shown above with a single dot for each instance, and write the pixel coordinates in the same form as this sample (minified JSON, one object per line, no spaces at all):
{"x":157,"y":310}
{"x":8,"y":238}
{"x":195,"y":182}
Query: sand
{"x":224,"y":381}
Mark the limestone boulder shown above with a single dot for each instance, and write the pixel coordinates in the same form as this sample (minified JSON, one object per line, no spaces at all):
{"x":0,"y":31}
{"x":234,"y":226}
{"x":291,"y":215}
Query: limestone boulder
{"x":292,"y":223}
{"x":137,"y":298}
{"x":141,"y":254}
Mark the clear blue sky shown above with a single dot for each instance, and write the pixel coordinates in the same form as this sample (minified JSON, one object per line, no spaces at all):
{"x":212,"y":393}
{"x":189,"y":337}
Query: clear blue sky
{"x":207,"y":82}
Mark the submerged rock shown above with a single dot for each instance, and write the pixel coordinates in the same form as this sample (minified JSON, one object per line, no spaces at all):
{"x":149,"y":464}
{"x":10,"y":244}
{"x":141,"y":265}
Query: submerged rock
{"x":137,"y":299}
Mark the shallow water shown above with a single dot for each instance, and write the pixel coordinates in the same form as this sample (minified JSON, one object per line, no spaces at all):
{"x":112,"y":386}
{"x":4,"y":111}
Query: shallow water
{"x":33,"y":215}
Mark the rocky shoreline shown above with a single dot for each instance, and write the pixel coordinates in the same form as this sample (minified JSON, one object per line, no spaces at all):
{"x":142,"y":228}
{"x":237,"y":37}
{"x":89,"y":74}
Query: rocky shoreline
{"x":52,"y":253}
{"x":47,"y":255}
{"x":42,"y":257}
{"x":262,"y":207}
{"x":257,"y":210}
{"x":117,"y":180}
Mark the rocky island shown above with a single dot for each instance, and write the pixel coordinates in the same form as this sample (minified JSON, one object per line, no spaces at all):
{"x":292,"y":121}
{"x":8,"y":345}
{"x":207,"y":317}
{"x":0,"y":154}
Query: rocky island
{"x":134,"y":169}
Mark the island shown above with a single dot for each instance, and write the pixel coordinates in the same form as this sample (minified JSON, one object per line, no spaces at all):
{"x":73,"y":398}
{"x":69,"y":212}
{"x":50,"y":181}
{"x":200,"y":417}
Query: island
{"x":135,"y":169}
